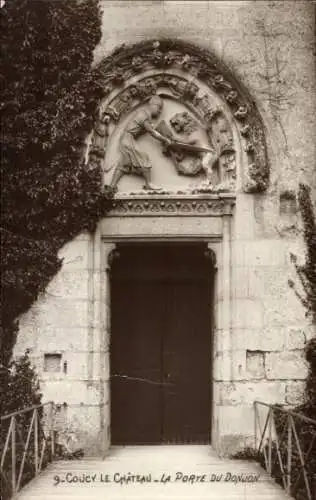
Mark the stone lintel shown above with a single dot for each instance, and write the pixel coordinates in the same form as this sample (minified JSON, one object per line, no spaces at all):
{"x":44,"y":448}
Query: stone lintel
{"x":170,"y":205}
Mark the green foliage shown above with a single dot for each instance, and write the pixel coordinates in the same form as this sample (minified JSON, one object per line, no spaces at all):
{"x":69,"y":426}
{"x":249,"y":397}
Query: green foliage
{"x":48,"y":103}
{"x":248,"y":453}
{"x":19,"y":389}
{"x":307,"y":272}
{"x":305,"y":432}
{"x":307,"y":279}
{"x":20,"y":386}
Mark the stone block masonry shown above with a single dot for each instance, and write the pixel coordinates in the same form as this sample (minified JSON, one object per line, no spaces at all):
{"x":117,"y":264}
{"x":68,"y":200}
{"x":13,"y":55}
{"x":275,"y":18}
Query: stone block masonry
{"x":259,"y":326}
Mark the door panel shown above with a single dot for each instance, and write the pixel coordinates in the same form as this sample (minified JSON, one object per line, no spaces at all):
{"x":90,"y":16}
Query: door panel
{"x":136,"y":402}
{"x":186,"y":362}
{"x":160,"y":347}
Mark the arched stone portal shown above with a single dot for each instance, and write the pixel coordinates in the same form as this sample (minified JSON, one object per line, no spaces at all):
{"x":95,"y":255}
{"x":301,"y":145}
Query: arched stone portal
{"x":179,"y":138}
{"x":201,"y":102}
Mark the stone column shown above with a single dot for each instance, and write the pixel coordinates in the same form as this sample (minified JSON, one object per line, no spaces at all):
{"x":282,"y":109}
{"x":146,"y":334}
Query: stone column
{"x":94,"y":299}
{"x":222,"y":345}
{"x":107,"y":254}
{"x":214,"y":249}
{"x":226,"y":306}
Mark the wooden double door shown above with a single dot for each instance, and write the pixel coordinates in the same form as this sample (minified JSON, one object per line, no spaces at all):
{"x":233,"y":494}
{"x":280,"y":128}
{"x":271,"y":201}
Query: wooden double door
{"x":161,"y":309}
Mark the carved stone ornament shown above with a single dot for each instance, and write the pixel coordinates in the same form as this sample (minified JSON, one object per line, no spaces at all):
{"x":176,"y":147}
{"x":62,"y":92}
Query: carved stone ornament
{"x":169,"y":204}
{"x":211,"y":255}
{"x":189,"y":106}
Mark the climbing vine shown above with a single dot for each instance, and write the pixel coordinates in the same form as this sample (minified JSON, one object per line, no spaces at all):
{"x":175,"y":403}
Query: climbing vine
{"x":49,"y":98}
{"x":305,"y":290}
{"x":307,"y":272}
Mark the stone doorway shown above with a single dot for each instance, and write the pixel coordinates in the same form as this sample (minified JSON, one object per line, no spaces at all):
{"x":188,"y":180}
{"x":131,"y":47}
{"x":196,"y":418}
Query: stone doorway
{"x":161,"y":344}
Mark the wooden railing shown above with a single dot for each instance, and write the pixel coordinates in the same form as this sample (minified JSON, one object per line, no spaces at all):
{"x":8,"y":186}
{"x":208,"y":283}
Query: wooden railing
{"x":27,"y":445}
{"x":286,"y":440}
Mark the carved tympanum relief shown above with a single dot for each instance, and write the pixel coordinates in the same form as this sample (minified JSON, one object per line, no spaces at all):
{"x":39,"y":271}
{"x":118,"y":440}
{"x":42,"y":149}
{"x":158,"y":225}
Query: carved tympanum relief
{"x":172,"y":119}
{"x":193,"y":138}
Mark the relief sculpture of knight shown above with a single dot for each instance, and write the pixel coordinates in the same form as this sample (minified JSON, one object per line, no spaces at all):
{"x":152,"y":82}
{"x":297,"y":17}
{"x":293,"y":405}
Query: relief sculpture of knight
{"x":195,"y":140}
{"x":132,"y":160}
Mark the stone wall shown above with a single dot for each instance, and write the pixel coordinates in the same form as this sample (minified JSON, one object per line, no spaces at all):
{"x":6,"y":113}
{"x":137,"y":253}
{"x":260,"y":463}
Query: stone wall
{"x":268,"y":331}
{"x":61,"y":324}
{"x":268,"y":46}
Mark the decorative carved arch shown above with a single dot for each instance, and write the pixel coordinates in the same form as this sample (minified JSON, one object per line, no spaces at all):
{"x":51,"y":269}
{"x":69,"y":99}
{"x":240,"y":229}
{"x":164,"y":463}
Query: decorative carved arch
{"x":131,"y":75}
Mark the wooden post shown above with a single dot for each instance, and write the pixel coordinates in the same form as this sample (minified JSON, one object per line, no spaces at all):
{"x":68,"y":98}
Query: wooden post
{"x":13,"y":455}
{"x":289,"y":454}
{"x":52,"y":433}
{"x":256,"y":416}
{"x":36,"y":440}
{"x":270,"y":441}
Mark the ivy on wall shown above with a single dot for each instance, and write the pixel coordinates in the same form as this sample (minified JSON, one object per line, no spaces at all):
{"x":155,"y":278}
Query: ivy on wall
{"x":48,"y":103}
{"x":305,"y":290}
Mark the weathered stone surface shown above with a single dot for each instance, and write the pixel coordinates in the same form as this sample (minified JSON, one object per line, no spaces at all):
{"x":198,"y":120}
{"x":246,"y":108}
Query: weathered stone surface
{"x":295,"y":337}
{"x":255,"y":363}
{"x":76,"y":365}
{"x":230,"y":444}
{"x":242,"y":368}
{"x":253,"y":253}
{"x":254,"y":282}
{"x":247,"y":313}
{"x":235,"y":420}
{"x":282,"y":312}
{"x":222,"y":366}
{"x":294,"y":394}
{"x":256,"y":314}
{"x":79,"y":427}
{"x":285,"y":365}
{"x":73,"y":366}
{"x":160,"y":227}
{"x":59,"y":313}
{"x":244,"y":211}
{"x":74,"y":392}
{"x":297,"y":248}
{"x":259,"y":339}
{"x":222,"y":340}
{"x":239,"y":365}
{"x":241,"y":277}
{"x":69,"y":285}
{"x":275,"y":281}
{"x":76,"y":255}
{"x":66,"y":339}
{"x":245,"y":393}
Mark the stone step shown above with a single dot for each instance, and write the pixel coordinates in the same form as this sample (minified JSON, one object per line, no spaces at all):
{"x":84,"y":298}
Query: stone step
{"x":168,"y":460}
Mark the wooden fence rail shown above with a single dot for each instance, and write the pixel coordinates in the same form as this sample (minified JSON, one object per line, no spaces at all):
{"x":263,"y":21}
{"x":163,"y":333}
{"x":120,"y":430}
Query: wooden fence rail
{"x":27,"y":445}
{"x":287,"y":441}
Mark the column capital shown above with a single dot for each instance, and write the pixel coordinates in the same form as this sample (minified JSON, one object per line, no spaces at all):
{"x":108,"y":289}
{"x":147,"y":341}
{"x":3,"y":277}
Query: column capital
{"x":211,"y":255}
{"x":110,"y":253}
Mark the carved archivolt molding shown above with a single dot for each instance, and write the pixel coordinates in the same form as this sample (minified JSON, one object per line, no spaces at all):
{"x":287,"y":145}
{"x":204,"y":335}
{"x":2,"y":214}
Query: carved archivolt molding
{"x":131,"y":75}
{"x":172,"y":205}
